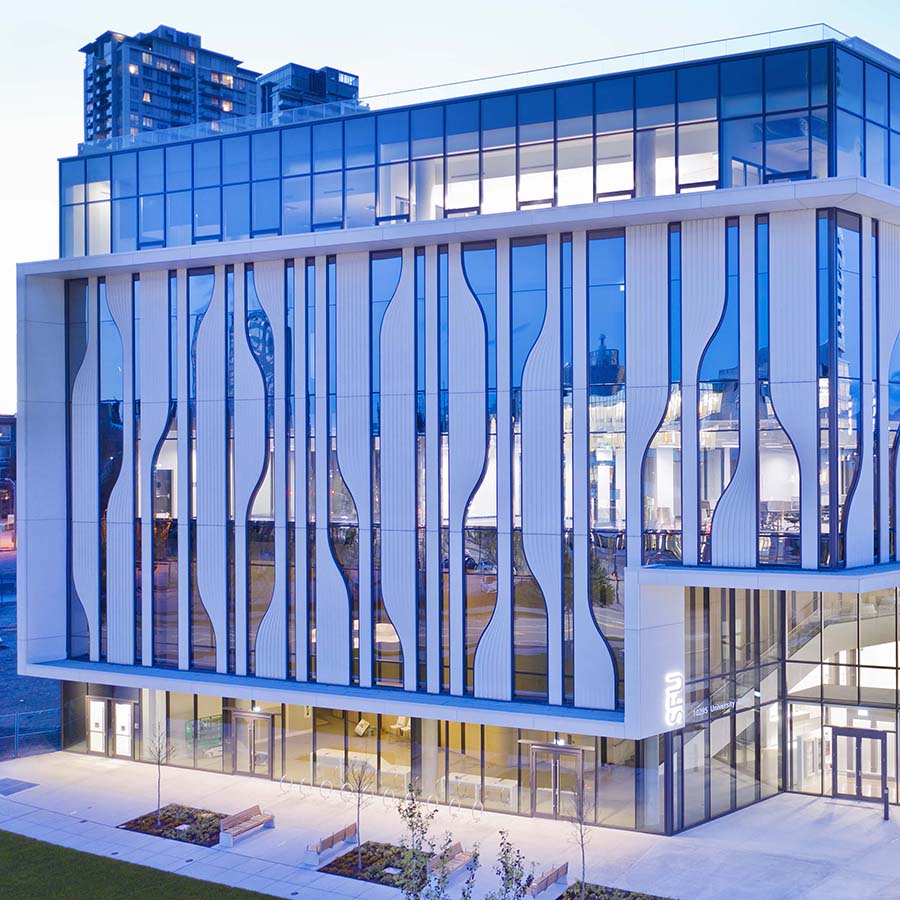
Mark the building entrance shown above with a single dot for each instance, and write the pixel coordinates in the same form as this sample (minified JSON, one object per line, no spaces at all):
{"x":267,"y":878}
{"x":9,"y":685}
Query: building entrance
{"x":557,"y":780}
{"x":119,"y":741}
{"x":251,"y":744}
{"x":859,"y":764}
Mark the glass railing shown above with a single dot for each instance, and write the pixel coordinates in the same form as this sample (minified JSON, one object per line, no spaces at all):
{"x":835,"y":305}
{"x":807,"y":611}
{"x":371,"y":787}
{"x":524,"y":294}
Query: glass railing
{"x":749,"y":43}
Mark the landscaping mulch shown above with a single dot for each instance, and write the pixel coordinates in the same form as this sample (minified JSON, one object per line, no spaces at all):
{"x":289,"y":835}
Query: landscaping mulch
{"x":599,"y":892}
{"x":376,"y":858}
{"x":202,"y":825}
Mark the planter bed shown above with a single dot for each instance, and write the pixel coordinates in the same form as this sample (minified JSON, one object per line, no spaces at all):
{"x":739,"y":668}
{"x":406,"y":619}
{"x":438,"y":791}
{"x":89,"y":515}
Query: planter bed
{"x":376,"y":858}
{"x":180,"y":823}
{"x":598,"y":892}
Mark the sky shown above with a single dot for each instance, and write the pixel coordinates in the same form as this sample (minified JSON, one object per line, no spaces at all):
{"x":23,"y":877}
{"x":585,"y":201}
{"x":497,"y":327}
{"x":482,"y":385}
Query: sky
{"x":392,"y":45}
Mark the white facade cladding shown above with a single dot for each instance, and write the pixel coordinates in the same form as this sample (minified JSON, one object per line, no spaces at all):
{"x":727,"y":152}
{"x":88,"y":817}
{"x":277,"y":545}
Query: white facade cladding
{"x":474,"y":470}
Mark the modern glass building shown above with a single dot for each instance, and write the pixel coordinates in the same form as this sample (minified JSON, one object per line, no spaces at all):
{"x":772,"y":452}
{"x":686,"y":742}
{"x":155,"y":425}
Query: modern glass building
{"x":528,"y":444}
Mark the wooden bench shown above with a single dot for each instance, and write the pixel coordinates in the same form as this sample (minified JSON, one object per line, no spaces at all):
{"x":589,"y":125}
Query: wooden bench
{"x":548,"y":879}
{"x":451,"y":861}
{"x":314,"y":852}
{"x":241,"y":823}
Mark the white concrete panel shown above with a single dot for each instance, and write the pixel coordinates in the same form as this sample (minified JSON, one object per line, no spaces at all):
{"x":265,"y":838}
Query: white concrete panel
{"x":735,"y":521}
{"x":792,"y":357}
{"x":702,"y":302}
{"x":249,"y":459}
{"x":271,"y":639}
{"x":85,"y":475}
{"x":860,"y":517}
{"x":398,"y":466}
{"x":493,"y":655}
{"x":354,"y":430}
{"x":432,"y":478}
{"x":888,"y":336}
{"x":468,"y":440}
{"x":211,"y":469}
{"x":332,"y":602}
{"x":647,"y":356}
{"x":595,"y":674}
{"x":155,"y":412}
{"x":542,"y":468}
{"x":183,"y":476}
{"x":302,"y":511}
{"x":120,"y":512}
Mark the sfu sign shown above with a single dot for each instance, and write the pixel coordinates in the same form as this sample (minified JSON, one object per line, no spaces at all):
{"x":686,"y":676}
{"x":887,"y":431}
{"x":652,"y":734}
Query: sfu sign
{"x":674,"y":708}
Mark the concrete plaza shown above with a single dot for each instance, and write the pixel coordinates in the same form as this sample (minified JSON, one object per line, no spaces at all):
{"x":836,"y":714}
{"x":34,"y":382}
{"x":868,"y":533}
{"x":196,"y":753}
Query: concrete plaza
{"x":787,"y":847}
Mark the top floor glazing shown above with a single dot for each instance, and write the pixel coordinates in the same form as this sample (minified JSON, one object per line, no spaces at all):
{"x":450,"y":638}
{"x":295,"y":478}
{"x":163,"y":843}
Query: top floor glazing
{"x":798,"y":112}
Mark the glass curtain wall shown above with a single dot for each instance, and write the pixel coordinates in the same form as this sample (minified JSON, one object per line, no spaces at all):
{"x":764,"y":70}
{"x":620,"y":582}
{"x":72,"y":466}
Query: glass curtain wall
{"x":606,"y":425}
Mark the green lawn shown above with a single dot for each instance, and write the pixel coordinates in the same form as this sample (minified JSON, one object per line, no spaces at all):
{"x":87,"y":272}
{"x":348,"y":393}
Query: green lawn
{"x":34,"y":869}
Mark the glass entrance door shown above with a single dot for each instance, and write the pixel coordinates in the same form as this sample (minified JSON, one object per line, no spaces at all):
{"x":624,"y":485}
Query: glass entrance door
{"x":556,"y":780}
{"x":96,"y":742}
{"x":124,"y":733}
{"x":252,"y":744}
{"x":859,"y":763}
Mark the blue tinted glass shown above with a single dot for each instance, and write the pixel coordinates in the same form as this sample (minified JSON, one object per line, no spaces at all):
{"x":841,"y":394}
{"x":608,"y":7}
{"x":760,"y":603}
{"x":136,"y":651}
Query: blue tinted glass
{"x":236,"y":159}
{"x":720,"y":358}
{"x":328,"y":205}
{"x":124,"y":225}
{"x":266,"y":206}
{"x":849,"y":337}
{"x":235,"y":212}
{"x":178,"y":168}
{"x":823,"y":290}
{"x":895,"y":159}
{"x":179,"y":219}
{"x":606,"y":308}
{"x":207,"y":223}
{"x":895,"y":103}
{"x":150,"y":171}
{"x":124,"y":175}
{"x":819,"y":58}
{"x":462,"y":126}
{"x":849,"y":144}
{"x":528,"y":295}
{"x":787,"y":146}
{"x":295,"y":154}
{"x":206,"y":164}
{"x":498,"y":121}
{"x":385,"y":274}
{"x":741,"y":152}
{"x":295,"y":205}
{"x":427,"y":131}
{"x":71,"y":181}
{"x":849,"y":81}
{"x":359,"y":138}
{"x":393,"y":137}
{"x":151,"y":220}
{"x":876,"y":94}
{"x":360,"y":194}
{"x":328,"y":146}
{"x":264,"y":155}
{"x":675,"y":305}
{"x":480,"y":269}
{"x":574,"y":110}
{"x":697,"y":93}
{"x":655,"y":94}
{"x":762,"y":299}
{"x":97,"y":177}
{"x":565,"y":265}
{"x":876,"y":153}
{"x":787,"y":80}
{"x":741,"y":86}
{"x":536,"y":116}
{"x":112,"y":379}
{"x":614,"y":104}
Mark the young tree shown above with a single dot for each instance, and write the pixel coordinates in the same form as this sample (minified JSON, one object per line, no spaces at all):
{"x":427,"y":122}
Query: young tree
{"x":510,"y":867}
{"x":581,"y":813}
{"x":415,"y":845}
{"x":360,"y":781}
{"x":158,"y":750}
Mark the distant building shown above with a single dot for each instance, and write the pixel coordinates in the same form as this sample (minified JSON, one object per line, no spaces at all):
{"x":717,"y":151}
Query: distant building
{"x":160,"y":79}
{"x":294,"y":85}
{"x":7,"y":482}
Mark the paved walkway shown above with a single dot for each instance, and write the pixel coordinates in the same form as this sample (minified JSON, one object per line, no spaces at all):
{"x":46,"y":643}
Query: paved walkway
{"x":788,"y":847}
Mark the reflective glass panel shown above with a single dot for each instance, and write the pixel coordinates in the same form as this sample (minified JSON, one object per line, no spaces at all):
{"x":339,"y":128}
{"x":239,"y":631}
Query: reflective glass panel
{"x":235,"y":211}
{"x":359,"y":140}
{"x":206,"y":214}
{"x":742,"y":152}
{"x":360,"y":191}
{"x":124,"y":214}
{"x":328,"y":200}
{"x":849,"y":81}
{"x":124,"y":175}
{"x":150,"y":171}
{"x":427,"y":131}
{"x":295,"y":152}
{"x":328,"y":146}
{"x":574,"y":110}
{"x":266,"y":206}
{"x":535,"y":116}
{"x":236,"y":159}
{"x":849,"y":144}
{"x":498,"y":121}
{"x":71,"y":181}
{"x":876,"y":94}
{"x":697,"y":93}
{"x":615,"y":164}
{"x":178,"y":168}
{"x":462,"y":126}
{"x":98,"y":178}
{"x":151,"y":220}
{"x":178,"y":218}
{"x":787,"y":80}
{"x":741,"y":86}
{"x":655,"y":96}
{"x":698,"y":153}
{"x":393,"y":137}
{"x":876,"y":153}
{"x":206,"y":164}
{"x":295,"y":205}
{"x":614,"y":104}
{"x":264,"y":155}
